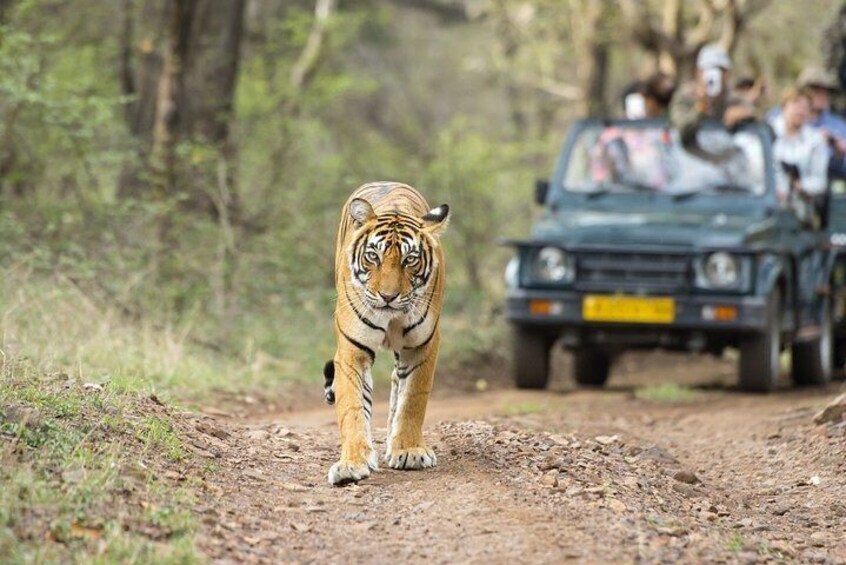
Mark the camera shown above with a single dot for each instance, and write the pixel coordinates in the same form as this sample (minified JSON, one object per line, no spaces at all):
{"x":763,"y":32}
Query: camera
{"x":635,"y":106}
{"x":713,"y":81}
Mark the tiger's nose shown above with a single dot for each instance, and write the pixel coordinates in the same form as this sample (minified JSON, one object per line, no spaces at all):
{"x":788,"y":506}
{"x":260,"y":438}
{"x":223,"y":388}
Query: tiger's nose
{"x":388,"y":297}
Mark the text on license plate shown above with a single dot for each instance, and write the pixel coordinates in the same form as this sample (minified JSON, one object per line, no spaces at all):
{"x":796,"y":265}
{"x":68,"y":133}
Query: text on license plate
{"x":628,"y":309}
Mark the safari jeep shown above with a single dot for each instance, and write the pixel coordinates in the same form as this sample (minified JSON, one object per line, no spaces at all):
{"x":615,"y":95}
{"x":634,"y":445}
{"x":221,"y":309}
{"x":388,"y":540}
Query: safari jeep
{"x":641,"y":244}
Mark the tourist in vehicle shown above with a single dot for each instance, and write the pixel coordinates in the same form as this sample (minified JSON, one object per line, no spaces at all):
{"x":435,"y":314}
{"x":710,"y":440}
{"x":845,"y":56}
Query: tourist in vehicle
{"x":707,"y":98}
{"x":649,"y":98}
{"x":658,"y":92}
{"x":799,"y":148}
{"x":631,"y":155}
{"x":752,"y":90}
{"x":636,"y":155}
{"x":634,"y":102}
{"x":820,"y":86}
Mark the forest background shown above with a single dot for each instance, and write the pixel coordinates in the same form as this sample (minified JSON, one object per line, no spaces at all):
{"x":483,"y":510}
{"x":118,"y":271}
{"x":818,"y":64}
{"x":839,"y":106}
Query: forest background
{"x":172,"y":171}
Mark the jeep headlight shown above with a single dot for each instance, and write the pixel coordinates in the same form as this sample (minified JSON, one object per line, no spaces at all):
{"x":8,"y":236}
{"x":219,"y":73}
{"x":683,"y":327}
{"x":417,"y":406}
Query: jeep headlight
{"x":512,"y":273}
{"x":553,"y":265}
{"x":723,"y":271}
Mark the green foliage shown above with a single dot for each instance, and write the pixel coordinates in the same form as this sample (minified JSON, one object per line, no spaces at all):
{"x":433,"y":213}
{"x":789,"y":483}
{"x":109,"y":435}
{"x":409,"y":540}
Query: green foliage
{"x":665,"y":392}
{"x":58,"y":117}
{"x":523,"y":408}
{"x":158,"y":436}
{"x":481,"y":180}
{"x":735,"y":542}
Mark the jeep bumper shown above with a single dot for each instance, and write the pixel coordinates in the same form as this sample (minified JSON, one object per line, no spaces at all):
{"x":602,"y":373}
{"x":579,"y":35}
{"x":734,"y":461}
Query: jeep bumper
{"x":695,"y":317}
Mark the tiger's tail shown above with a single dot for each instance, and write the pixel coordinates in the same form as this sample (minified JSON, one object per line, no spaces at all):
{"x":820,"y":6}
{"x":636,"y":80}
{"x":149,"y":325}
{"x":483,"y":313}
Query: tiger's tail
{"x":328,"y":381}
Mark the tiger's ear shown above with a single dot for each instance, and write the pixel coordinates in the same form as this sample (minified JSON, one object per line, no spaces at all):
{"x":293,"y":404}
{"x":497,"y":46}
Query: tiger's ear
{"x":361,"y":211}
{"x":436,"y":220}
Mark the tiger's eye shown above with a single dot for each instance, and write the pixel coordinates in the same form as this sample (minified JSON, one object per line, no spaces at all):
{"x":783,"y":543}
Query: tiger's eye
{"x":372,"y":256}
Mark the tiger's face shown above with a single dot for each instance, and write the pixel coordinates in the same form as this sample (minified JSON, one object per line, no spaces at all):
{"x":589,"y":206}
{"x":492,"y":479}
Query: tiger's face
{"x":392,"y":258}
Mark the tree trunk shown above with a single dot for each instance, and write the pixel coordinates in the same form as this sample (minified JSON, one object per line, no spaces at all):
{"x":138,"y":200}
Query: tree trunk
{"x":592,"y":46}
{"x":671,"y":17}
{"x":166,"y":124}
{"x":596,"y":80}
{"x":182,"y":88}
{"x":142,"y":29}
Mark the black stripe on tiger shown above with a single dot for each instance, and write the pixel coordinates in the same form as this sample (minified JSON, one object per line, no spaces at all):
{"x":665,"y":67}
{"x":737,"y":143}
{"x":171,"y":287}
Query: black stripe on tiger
{"x":366,"y":391}
{"x":424,"y":270}
{"x":418,"y":322}
{"x":370,"y":352}
{"x":404,"y":373}
{"x":358,"y":256}
{"x":359,"y":315}
{"x":399,"y":219}
{"x":428,"y":339}
{"x":422,"y":319}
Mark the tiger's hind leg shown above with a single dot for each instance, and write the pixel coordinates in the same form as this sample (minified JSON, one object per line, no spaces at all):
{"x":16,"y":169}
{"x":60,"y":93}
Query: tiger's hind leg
{"x":353,"y":386}
{"x":415,"y":374}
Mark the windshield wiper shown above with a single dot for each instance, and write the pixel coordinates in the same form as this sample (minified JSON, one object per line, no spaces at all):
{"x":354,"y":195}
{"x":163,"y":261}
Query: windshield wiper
{"x":627,"y":185}
{"x":637,"y":185}
{"x":679,"y":196}
{"x":711,"y":188}
{"x":729,"y":187}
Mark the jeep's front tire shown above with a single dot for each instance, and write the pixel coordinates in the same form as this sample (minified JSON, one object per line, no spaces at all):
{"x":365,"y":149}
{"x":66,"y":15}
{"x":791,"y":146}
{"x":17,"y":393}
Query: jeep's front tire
{"x":839,"y":354}
{"x":530,"y":357}
{"x":591,"y":367}
{"x":759,"y":353}
{"x":812,"y":360}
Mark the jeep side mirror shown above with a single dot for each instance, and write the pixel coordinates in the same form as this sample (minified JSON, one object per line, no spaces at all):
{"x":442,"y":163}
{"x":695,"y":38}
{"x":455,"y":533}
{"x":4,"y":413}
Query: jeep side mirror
{"x":541,"y":190}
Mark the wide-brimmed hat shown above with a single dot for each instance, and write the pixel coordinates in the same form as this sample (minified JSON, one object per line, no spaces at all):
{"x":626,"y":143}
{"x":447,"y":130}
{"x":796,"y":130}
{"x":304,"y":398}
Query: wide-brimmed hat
{"x":713,"y":56}
{"x":817,"y":76}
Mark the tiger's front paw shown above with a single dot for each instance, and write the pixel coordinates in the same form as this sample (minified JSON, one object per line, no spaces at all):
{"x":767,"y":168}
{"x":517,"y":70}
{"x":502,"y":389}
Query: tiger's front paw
{"x":411,"y":458}
{"x":343,"y":473}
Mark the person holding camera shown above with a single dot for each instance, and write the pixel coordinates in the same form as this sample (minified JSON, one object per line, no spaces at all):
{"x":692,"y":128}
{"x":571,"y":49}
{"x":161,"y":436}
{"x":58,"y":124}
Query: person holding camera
{"x":800,"y":149}
{"x":706,"y":98}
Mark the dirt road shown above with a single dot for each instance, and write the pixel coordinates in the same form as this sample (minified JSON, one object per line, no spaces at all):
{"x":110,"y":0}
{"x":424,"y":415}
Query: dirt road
{"x":588,"y":476}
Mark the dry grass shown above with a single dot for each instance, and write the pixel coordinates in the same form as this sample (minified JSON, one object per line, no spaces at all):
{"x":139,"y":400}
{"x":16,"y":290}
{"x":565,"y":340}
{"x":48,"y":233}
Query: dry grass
{"x":62,"y":326}
{"x":83,"y":474}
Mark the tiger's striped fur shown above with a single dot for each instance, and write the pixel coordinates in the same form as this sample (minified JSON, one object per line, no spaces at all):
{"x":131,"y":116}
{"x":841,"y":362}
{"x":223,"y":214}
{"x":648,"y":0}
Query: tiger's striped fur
{"x":389,"y":276}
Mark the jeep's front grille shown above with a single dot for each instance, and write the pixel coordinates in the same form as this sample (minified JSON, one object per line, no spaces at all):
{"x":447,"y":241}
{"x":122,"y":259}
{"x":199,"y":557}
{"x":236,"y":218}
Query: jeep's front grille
{"x":620,"y":271}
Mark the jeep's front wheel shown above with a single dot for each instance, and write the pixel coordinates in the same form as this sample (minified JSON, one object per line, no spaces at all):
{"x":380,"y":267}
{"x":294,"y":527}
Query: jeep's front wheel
{"x":530,"y":355}
{"x":839,"y":354}
{"x":812,"y":359}
{"x":591,"y":367}
{"x":759,"y":353}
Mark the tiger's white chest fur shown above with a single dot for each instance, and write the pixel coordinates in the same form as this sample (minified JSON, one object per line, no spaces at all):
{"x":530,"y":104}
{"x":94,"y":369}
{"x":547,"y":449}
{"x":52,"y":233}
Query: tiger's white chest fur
{"x":398,"y":332}
{"x":394,"y":340}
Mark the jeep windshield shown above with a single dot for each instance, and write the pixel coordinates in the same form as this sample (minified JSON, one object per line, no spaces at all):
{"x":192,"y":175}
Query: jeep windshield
{"x":647,"y":157}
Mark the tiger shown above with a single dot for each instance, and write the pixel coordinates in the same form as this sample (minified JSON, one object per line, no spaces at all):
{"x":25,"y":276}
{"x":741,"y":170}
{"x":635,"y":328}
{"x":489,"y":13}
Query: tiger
{"x":389,"y":279}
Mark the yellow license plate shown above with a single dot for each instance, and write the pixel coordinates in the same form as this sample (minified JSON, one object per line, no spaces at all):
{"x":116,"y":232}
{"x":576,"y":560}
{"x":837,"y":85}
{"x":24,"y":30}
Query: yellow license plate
{"x":628,"y":309}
